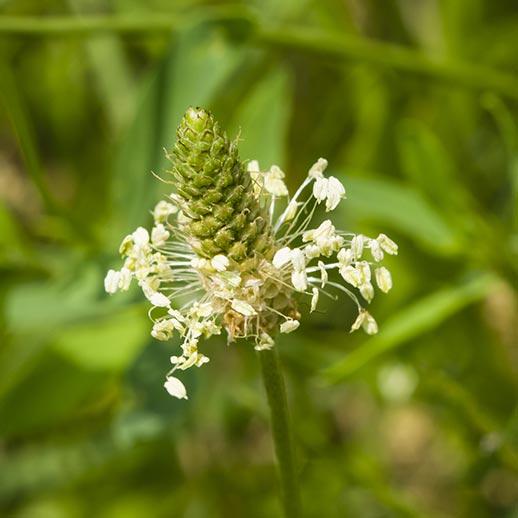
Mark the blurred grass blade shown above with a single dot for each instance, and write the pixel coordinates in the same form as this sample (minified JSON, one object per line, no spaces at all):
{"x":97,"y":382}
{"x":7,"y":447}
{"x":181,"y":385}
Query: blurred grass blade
{"x":10,"y":95}
{"x":111,"y":72}
{"x":190,"y":75}
{"x":427,"y":165}
{"x":81,"y":357}
{"x":263,"y":120}
{"x":34,"y":469}
{"x":42,"y":307}
{"x":36,"y":311}
{"x":202,"y":61}
{"x":418,"y":318}
{"x":105,"y":343}
{"x":455,"y":395}
{"x":509,"y":132}
{"x":53,"y":390}
{"x":402,"y":208}
{"x":15,"y":251}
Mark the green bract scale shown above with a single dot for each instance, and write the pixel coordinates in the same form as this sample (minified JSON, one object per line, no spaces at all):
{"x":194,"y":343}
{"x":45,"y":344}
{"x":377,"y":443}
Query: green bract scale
{"x":230,"y":250}
{"x":222,"y":215}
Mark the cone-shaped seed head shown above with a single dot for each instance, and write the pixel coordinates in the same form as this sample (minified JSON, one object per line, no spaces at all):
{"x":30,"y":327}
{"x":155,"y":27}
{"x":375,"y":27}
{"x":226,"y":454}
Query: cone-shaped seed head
{"x":223,"y":214}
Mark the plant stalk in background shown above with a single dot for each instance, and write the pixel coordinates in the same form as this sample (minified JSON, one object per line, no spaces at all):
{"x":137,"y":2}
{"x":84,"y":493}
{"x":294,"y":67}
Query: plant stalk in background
{"x":281,"y":430}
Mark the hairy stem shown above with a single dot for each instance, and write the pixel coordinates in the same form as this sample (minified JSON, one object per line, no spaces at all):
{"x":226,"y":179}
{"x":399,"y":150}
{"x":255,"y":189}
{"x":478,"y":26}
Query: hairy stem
{"x":276,"y":392}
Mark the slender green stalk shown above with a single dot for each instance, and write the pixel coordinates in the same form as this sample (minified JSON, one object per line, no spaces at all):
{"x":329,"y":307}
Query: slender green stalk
{"x":339,"y":47}
{"x":13,"y":103}
{"x":10,"y":98}
{"x":342,"y":47}
{"x":283,"y":440}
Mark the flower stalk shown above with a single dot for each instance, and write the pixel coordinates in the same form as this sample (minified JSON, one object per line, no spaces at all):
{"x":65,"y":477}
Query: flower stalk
{"x":281,"y":431}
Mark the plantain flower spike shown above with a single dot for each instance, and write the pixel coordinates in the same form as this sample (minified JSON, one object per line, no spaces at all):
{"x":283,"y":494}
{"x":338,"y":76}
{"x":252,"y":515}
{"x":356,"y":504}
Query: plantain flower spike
{"x":231,"y":251}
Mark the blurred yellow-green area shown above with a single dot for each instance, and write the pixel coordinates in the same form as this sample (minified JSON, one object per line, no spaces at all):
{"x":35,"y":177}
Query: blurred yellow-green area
{"x":415,"y":105}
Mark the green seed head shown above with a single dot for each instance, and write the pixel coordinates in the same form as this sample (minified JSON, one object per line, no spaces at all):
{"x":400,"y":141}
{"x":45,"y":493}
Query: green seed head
{"x":222,"y":214}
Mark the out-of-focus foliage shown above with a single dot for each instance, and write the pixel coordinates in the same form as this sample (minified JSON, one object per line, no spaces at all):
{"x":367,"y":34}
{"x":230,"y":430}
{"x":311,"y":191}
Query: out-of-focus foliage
{"x":415,"y":104}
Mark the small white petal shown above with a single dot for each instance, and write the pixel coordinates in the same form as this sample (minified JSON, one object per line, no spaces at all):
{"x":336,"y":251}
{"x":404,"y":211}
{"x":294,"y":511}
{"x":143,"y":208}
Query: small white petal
{"x":345,"y":257}
{"x":383,"y":279}
{"x":159,"y":299}
{"x":253,"y":166}
{"x":387,"y":244}
{"x":176,"y":314}
{"x":159,"y":235}
{"x":351,"y":275}
{"x":126,"y":246}
{"x":162,"y":329}
{"x":201,"y":360}
{"x":311,"y":251}
{"x":289,"y":326}
{"x":369,"y":325}
{"x":291,"y":210}
{"x":230,"y":279}
{"x":140,"y":236}
{"x":365,"y":271}
{"x":314,"y":299}
{"x":357,"y":245}
{"x":367,"y":291}
{"x":320,"y":189}
{"x":265,"y":342}
{"x":186,"y":362}
{"x":359,"y":320}
{"x":365,"y":320}
{"x":275,"y":186}
{"x":299,"y":280}
{"x":125,"y":279}
{"x":323,"y":274}
{"x":111,"y":281}
{"x":200,"y":263}
{"x":175,"y":388}
{"x":202,"y":310}
{"x":282,"y":257}
{"x":162,"y":210}
{"x":318,"y":168}
{"x":376,"y":251}
{"x":335,"y":192}
{"x":220,"y":262}
{"x":274,"y":183}
{"x":298,"y":260}
{"x":325,"y":230}
{"x":243,"y":307}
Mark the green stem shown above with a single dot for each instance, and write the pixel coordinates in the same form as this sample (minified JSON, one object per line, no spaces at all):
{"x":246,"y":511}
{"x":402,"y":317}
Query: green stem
{"x":333,"y":46}
{"x":346,"y":47}
{"x":10,"y":98}
{"x":276,"y":392}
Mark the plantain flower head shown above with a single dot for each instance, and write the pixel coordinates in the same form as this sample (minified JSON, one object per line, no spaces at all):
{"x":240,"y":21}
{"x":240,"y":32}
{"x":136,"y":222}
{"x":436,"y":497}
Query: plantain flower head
{"x":231,"y":251}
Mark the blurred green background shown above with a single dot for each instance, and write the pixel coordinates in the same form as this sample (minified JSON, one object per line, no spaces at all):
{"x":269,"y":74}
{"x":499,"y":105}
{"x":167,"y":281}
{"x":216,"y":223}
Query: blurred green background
{"x":414,"y":104}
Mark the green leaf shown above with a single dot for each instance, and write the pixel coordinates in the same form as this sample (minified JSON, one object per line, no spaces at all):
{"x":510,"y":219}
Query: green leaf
{"x":109,"y":344}
{"x":201,"y":64}
{"x":12,"y":245}
{"x":36,"y":312}
{"x":112,"y":75}
{"x":191,"y":74}
{"x":509,"y":133}
{"x":418,"y":318}
{"x":44,"y":306}
{"x":427,"y":165}
{"x":52,"y":391}
{"x":401,"y":207}
{"x":77,"y":364}
{"x":262,"y":120}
